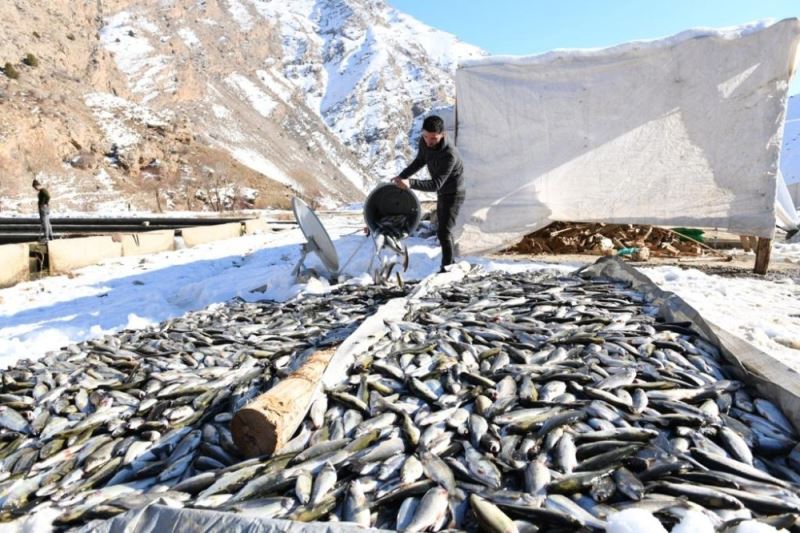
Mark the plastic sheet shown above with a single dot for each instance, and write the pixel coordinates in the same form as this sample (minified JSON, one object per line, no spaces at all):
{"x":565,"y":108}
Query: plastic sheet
{"x":684,"y":131}
{"x":785,"y":211}
{"x":163,"y":519}
{"x":771,"y":378}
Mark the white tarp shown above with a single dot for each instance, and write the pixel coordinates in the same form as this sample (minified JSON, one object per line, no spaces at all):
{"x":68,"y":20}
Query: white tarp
{"x":682,"y":131}
{"x":785,"y":210}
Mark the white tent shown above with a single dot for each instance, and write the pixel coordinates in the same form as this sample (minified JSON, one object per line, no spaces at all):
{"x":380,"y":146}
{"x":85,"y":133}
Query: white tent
{"x":682,"y":131}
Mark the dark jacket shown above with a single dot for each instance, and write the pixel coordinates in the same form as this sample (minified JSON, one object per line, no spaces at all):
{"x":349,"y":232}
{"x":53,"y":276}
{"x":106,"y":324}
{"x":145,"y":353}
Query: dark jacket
{"x":444,"y":166}
{"x":44,"y":197}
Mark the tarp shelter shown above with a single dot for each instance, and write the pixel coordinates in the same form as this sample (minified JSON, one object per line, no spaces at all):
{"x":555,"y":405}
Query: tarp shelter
{"x":683,"y":131}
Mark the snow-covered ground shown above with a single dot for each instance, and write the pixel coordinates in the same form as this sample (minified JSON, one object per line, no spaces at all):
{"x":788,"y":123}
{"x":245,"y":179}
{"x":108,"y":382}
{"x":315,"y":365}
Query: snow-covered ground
{"x":134,"y":292}
{"x":765,"y":313}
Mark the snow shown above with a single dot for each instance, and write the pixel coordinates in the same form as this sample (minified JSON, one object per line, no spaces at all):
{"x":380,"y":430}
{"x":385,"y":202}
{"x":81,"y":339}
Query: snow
{"x":640,"y":521}
{"x":189,"y":37}
{"x":261,"y":164}
{"x":634,"y":521}
{"x":359,"y":68}
{"x":273,"y":82}
{"x":443,"y":47}
{"x":694,"y":522}
{"x":732,"y":32}
{"x":753,"y":526}
{"x":789,"y":252}
{"x":96,"y":194}
{"x":220,"y":111}
{"x":134,"y":55}
{"x":764,"y":313}
{"x":353,"y":175}
{"x":148,"y":26}
{"x":114,"y":114}
{"x":102,"y":178}
{"x":134,"y":292}
{"x":240,"y":14}
{"x":261,"y":102}
{"x":105,"y":107}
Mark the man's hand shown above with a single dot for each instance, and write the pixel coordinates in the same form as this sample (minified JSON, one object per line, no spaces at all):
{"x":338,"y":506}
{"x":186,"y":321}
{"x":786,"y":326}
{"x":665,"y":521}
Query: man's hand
{"x":400,"y":182}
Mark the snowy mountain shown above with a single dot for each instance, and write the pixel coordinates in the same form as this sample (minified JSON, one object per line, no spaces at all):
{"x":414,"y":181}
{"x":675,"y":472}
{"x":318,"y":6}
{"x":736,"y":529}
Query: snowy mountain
{"x":790,"y":152}
{"x":169,"y":99}
{"x":369,"y":70}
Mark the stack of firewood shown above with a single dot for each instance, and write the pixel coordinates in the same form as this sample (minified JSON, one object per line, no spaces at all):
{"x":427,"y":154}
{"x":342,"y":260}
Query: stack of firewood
{"x":638,"y":242}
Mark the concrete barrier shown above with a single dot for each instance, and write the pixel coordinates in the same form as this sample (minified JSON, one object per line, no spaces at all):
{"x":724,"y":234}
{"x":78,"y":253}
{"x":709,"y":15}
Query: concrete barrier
{"x":68,"y":254}
{"x":14,"y":266}
{"x":202,"y":234}
{"x":149,"y":242}
{"x":255,"y":225}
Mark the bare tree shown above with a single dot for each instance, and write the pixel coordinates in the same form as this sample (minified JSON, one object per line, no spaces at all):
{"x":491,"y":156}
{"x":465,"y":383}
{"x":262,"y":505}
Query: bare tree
{"x":218,"y":185}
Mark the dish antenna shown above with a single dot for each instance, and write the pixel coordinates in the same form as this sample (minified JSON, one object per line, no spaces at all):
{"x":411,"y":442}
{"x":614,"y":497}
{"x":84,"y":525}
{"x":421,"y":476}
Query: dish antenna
{"x":317,"y":239}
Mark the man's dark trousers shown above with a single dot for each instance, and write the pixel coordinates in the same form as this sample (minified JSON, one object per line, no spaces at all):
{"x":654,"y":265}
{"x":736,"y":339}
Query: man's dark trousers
{"x":44,"y":218}
{"x":447,"y":208}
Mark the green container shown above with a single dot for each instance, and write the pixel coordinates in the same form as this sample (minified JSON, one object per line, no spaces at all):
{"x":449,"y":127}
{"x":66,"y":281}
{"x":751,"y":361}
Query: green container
{"x":690,"y":234}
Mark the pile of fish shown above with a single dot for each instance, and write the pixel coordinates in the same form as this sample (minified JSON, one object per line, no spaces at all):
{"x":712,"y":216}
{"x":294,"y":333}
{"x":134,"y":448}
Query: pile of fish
{"x":390,"y":231}
{"x":112,"y":424}
{"x":505,"y":402}
{"x":517,"y":402}
{"x":394,"y":226}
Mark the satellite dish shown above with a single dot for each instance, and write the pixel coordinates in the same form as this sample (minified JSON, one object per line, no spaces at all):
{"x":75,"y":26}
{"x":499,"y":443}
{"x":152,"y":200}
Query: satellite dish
{"x":318,"y":240}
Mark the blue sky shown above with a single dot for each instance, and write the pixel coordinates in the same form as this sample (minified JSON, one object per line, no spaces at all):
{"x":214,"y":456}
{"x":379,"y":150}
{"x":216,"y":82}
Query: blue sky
{"x":524,"y":27}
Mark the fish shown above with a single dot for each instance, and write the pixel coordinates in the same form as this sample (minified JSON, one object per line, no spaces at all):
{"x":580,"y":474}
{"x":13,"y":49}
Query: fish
{"x":502,"y":402}
{"x":323,"y":483}
{"x":355,"y":505}
{"x":303,"y":486}
{"x":490,"y":517}
{"x":431,"y":510}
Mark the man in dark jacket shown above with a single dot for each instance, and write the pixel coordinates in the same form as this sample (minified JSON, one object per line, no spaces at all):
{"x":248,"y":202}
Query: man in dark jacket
{"x":444,"y":165}
{"x":44,"y":210}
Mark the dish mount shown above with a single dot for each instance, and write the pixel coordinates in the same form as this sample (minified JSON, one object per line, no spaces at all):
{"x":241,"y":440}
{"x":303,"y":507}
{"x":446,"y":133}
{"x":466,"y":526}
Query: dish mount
{"x":317,"y":241}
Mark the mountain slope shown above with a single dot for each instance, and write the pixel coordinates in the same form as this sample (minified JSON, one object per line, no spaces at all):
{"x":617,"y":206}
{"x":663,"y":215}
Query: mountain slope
{"x":156,"y":103}
{"x":370,"y":70}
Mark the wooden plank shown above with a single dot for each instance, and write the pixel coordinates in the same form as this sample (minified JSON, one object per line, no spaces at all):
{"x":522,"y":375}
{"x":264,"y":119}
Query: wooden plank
{"x":267,"y":423}
{"x":763,"y":250}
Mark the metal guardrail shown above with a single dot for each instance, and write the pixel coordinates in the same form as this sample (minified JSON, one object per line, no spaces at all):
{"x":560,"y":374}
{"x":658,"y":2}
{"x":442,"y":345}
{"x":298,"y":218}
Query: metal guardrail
{"x":28,"y":229}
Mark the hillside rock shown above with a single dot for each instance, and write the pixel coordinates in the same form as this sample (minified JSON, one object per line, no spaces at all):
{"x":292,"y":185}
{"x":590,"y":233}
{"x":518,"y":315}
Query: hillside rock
{"x":142,"y":104}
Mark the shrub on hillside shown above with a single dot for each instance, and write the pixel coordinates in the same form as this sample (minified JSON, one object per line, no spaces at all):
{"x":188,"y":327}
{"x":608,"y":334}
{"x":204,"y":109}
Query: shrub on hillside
{"x":36,"y":34}
{"x":71,"y":36}
{"x":31,"y":60}
{"x":10,"y":71}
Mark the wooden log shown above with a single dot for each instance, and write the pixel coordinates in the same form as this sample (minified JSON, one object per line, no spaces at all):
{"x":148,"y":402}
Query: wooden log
{"x":265,"y":425}
{"x":763,"y":250}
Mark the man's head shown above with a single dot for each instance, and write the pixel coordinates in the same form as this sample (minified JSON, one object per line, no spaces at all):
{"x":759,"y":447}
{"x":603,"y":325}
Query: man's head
{"x":36,"y":185}
{"x":432,"y":131}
